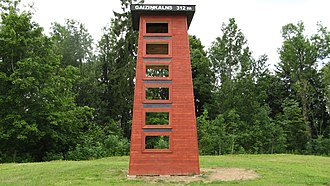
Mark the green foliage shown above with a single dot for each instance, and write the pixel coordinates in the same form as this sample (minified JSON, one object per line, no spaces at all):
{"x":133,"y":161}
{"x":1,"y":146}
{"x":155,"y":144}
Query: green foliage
{"x":116,"y":146}
{"x":294,"y":126}
{"x":38,"y":113}
{"x":86,"y":151}
{"x":157,"y":142}
{"x":203,"y":77}
{"x":240,"y":96}
{"x":117,"y":56}
{"x":157,"y":71}
{"x":211,"y":133}
{"x":61,"y":100}
{"x":299,"y":57}
{"x":326,"y":83}
{"x":157,"y":118}
{"x":229,"y":134}
{"x":73,"y":43}
{"x":321,"y":146}
{"x":100,"y":142}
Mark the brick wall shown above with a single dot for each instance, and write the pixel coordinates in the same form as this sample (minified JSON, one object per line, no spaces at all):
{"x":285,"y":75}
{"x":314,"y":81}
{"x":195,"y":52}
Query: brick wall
{"x":182,"y":156}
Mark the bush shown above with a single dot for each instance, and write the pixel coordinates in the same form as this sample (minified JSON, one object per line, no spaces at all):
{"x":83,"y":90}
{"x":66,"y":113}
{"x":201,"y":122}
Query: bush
{"x":18,"y":158}
{"x":116,"y":146}
{"x":321,"y":146}
{"x":91,"y":148}
{"x":86,"y":151}
{"x":50,"y":156}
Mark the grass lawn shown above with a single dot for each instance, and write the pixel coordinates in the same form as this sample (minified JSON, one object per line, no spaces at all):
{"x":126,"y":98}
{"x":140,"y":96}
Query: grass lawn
{"x":276,"y":170}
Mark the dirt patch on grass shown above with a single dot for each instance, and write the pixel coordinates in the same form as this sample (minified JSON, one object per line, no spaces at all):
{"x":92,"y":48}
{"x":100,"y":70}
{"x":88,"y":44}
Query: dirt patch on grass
{"x":230,"y":174}
{"x":207,"y":175}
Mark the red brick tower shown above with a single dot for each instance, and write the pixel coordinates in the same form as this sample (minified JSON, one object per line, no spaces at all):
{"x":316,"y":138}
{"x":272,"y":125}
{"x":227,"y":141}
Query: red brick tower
{"x":164,"y":134}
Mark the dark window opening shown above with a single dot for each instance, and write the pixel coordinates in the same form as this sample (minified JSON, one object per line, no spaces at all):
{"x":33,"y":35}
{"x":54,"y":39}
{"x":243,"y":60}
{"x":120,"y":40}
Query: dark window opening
{"x":157,"y":118}
{"x":157,"y":71}
{"x":157,"y":48}
{"x":157,"y":27}
{"x":157,"y":93}
{"x":157,"y":142}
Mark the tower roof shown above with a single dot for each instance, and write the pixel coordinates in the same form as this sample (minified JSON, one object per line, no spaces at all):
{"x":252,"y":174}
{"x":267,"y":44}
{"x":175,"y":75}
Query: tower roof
{"x":160,"y":9}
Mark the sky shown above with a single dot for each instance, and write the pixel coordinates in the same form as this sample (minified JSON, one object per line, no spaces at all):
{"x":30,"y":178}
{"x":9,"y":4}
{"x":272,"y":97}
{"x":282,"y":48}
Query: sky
{"x":260,"y":20}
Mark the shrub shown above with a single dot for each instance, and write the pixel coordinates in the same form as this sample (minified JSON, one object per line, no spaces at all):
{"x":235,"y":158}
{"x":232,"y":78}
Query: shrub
{"x":91,"y":148}
{"x":321,"y":146}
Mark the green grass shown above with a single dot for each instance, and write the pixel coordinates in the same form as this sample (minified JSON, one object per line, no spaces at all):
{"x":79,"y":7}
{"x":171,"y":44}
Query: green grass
{"x":273,"y":170}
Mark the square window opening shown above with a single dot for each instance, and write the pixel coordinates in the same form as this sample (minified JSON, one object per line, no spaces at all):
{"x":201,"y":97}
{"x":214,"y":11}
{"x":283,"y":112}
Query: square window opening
{"x":157,"y":118}
{"x":157,"y":93}
{"x":157,"y":71}
{"x":157,"y":142}
{"x":157,"y":27}
{"x":157,"y":48}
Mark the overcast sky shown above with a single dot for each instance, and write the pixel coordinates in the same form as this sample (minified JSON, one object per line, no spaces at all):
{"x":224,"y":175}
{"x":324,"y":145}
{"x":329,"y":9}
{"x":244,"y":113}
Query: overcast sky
{"x":260,"y":20}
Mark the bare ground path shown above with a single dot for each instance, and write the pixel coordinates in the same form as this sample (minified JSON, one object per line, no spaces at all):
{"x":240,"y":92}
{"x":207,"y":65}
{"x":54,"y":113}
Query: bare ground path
{"x":207,"y":175}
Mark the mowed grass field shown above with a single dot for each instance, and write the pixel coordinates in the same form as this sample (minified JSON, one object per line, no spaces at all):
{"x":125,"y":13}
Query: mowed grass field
{"x":276,"y":170}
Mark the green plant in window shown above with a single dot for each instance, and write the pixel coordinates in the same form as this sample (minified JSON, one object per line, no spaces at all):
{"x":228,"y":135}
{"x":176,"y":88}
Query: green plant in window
{"x":157,"y":142}
{"x":157,"y":118}
{"x":157,"y":93}
{"x":163,"y":143}
{"x":157,"y":71}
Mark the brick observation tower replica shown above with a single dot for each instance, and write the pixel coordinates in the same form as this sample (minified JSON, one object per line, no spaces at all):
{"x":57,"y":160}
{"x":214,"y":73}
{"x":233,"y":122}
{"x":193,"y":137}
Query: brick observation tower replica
{"x":164,"y":134}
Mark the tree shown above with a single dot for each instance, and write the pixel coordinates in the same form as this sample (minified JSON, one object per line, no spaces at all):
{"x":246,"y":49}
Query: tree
{"x":212,"y":135}
{"x":73,"y":43}
{"x":276,"y":94}
{"x":225,"y":54}
{"x":322,"y":40}
{"x":203,"y":77}
{"x":326,"y":83}
{"x":325,"y":135}
{"x":38,"y":115}
{"x":117,"y":49}
{"x":241,"y":92}
{"x":298,"y":69}
{"x":294,"y":126}
{"x":237,"y":73}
